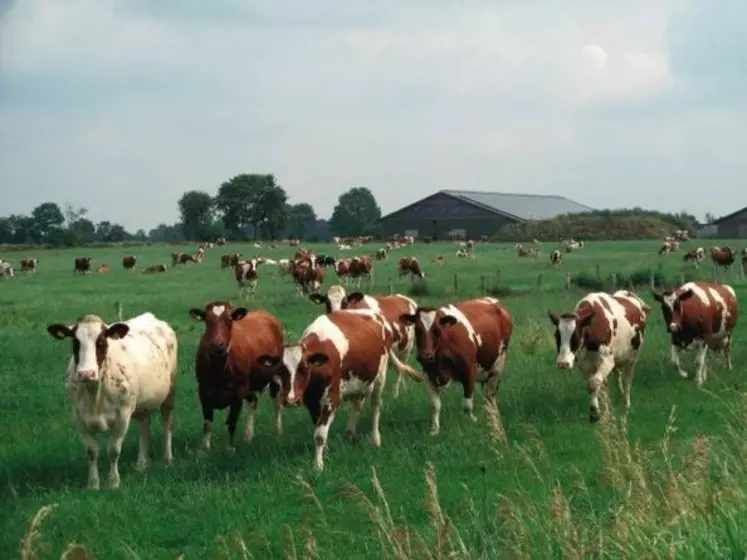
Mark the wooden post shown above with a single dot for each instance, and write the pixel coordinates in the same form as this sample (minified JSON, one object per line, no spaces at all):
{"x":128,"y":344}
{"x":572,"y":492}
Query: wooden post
{"x":482,"y":284}
{"x":652,"y":280}
{"x":498,"y":277}
{"x":682,"y":278}
{"x":456,"y":283}
{"x":660,"y":266}
{"x":614,"y":281}
{"x":713,"y":274}
{"x":599,"y":271}
{"x":391,"y":286}
{"x":118,"y":310}
{"x":567,"y":284}
{"x":539,"y":281}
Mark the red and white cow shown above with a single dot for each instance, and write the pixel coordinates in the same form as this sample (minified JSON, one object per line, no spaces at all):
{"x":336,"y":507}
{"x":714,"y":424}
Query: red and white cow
{"x":464,"y":343}
{"x":409,"y":266}
{"x":118,"y":372}
{"x":29,"y":264}
{"x":606,"y":331}
{"x":391,"y":307}
{"x":701,"y":315}
{"x":342,"y":356}
{"x":696,"y":255}
{"x":723,"y":256}
{"x":556,"y":257}
{"x":247,"y":275}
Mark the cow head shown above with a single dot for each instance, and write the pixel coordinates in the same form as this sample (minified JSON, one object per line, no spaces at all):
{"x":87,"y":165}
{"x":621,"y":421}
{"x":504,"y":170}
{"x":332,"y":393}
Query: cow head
{"x":90,"y":336}
{"x":427,"y":332}
{"x":293,"y":370}
{"x":671,"y":307}
{"x":334,"y":300}
{"x":569,"y":335}
{"x":218,"y":317}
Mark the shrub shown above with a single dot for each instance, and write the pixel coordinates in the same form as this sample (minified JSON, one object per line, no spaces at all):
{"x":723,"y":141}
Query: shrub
{"x":419,"y":288}
{"x":588,"y":282}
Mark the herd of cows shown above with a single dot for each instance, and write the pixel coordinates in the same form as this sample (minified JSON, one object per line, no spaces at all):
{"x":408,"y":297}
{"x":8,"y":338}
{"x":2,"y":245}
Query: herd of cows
{"x":127,"y":369}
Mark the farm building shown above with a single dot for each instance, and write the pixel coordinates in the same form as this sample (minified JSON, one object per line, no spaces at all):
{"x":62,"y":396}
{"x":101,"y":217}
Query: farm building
{"x":731,"y":225}
{"x":470,"y":214}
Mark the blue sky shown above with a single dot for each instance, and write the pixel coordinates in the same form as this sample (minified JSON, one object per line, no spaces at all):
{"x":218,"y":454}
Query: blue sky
{"x":122,"y":106}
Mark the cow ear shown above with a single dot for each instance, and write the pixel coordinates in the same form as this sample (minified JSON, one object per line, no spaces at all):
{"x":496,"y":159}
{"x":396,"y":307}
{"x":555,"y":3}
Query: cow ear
{"x":408,"y":318}
{"x":318,"y":298}
{"x":658,"y":296}
{"x":687,"y":294}
{"x":60,"y":331}
{"x":448,"y":321}
{"x":239,"y":313}
{"x":197,"y":314}
{"x":584,"y":319}
{"x":355,"y":297}
{"x":268,"y":362}
{"x":553,"y":317}
{"x":117,"y":331}
{"x":318,"y":359}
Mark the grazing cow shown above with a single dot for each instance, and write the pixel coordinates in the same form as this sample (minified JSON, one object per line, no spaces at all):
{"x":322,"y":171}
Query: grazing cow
{"x":285,"y":267}
{"x":342,"y":269}
{"x":128,"y":263}
{"x":465,"y":254}
{"x":556,"y":257}
{"x":670,"y":246}
{"x":696,"y":255}
{"x":226,"y":365}
{"x":344,"y":247}
{"x":154,"y":268}
{"x":464,"y":343}
{"x":361,"y":269}
{"x":247,"y":275}
{"x":381,"y":254}
{"x":103,"y":267}
{"x":409,"y":266}
{"x":220,"y":241}
{"x":184,"y":258}
{"x":6,"y":270}
{"x":307,"y":277}
{"x":342,"y":356}
{"x":440,"y":260}
{"x":230,"y":260}
{"x":470,"y":246}
{"x":324,"y":261}
{"x":701,"y":315}
{"x":522,"y":251}
{"x":723,"y":256}
{"x":391,"y":308}
{"x":606,"y":331}
{"x":118,"y":372}
{"x":82,"y":265}
{"x":29,"y":264}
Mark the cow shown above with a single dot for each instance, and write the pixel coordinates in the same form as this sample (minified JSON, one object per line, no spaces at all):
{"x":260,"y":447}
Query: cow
{"x":247,"y":275}
{"x":82,"y":265}
{"x":154,"y":268}
{"x":464,"y":343}
{"x":6,"y":269}
{"x":342,"y":356}
{"x":381,"y":254}
{"x":670,"y":246}
{"x":439,"y":260}
{"x":696,"y":255}
{"x":723,"y":256}
{"x":307,"y":277}
{"x":744,"y":261}
{"x":342,"y":269}
{"x":463,"y":254}
{"x":409,"y":266}
{"x":556,"y":257}
{"x":522,"y":251}
{"x":606,"y":332}
{"x":29,"y":264}
{"x":103,"y":267}
{"x":230,"y":260}
{"x":128,"y":263}
{"x":471,"y":246}
{"x":118,"y":372}
{"x":391,"y":308}
{"x":361,"y":269}
{"x":325,"y":261}
{"x":702,"y":315}
{"x":226,"y":365}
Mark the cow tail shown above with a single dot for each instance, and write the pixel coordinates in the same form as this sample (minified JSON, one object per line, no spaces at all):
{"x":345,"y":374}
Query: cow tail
{"x":402,"y":368}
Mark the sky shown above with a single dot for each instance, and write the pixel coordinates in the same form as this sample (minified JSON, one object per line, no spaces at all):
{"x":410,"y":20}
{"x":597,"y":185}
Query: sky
{"x":121,"y":106}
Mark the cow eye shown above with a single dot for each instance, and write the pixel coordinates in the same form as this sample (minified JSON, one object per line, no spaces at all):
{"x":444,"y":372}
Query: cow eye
{"x":100,"y":342}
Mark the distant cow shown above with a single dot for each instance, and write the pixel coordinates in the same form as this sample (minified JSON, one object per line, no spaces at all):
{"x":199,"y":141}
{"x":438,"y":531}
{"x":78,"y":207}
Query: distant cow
{"x":361,"y":269}
{"x":342,"y":356}
{"x":230,"y":260}
{"x":556,"y":257}
{"x":464,"y":343}
{"x":118,"y":372}
{"x":325,"y":260}
{"x":6,"y":269}
{"x":103,"y":267}
{"x":154,"y":268}
{"x":184,"y":258}
{"x":82,"y":265}
{"x":409,"y":266}
{"x":522,"y":251}
{"x":606,"y":331}
{"x":29,"y":264}
{"x":723,"y":256}
{"x":227,"y":368}
{"x":701,"y":315}
{"x":744,"y":261}
{"x":696,"y":255}
{"x":440,"y":260}
{"x":128,"y":263}
{"x":670,"y":246}
{"x":247,"y":275}
{"x":381,"y":254}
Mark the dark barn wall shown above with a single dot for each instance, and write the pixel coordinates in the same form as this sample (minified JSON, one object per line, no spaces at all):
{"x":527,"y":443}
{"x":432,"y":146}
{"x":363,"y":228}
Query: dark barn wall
{"x":436,"y":215}
{"x":736,"y":226}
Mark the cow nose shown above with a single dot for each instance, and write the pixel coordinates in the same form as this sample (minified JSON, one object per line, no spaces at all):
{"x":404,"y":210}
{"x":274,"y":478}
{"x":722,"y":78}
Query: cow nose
{"x":293,"y":403}
{"x":673,"y":327}
{"x":218,"y":347}
{"x":87,"y":375}
{"x":426,"y":356}
{"x":563,"y":364}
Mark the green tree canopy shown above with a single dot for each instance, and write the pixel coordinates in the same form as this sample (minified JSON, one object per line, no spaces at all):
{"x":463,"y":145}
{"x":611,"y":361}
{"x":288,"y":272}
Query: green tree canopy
{"x":355,"y":212}
{"x":301,"y":218}
{"x":196,"y":211}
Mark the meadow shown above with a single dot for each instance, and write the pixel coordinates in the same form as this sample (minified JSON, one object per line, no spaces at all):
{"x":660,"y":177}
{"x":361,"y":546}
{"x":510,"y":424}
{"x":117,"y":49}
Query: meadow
{"x":539,"y":481}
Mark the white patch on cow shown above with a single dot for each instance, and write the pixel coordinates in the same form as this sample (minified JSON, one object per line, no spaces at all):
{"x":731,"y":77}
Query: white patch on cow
{"x":218,"y":310}
{"x":566,"y":328}
{"x":291,"y":360}
{"x":724,"y":315}
{"x":354,"y":387}
{"x":427,"y":318}
{"x":698,"y":292}
{"x":336,"y":294}
{"x":325,"y":329}
{"x":87,"y":333}
{"x":372,"y":303}
{"x":462,"y":318}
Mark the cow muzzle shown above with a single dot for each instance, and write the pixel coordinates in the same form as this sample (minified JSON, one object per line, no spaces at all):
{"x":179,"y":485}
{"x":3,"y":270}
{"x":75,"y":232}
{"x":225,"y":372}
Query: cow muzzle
{"x":674,"y":327}
{"x":87,"y":375}
{"x":564,"y":364}
{"x":292,"y":403}
{"x":427,"y":358}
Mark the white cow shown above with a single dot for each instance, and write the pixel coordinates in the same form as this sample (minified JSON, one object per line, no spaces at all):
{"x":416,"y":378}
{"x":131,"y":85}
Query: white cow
{"x":606,"y":331}
{"x":118,"y":372}
{"x":6,"y":269}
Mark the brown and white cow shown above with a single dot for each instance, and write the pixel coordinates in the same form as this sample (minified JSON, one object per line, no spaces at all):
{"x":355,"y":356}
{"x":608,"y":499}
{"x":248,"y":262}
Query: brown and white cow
{"x":391,"y":308}
{"x":556,"y":257}
{"x":307,"y":276}
{"x":464,"y":343}
{"x":230,"y":260}
{"x":29,"y":264}
{"x":409,"y":266}
{"x":723,"y":256}
{"x":118,"y":372}
{"x":381,"y":254}
{"x":670,"y":246}
{"x":247,"y":275}
{"x":522,"y":251}
{"x":606,"y":332}
{"x":154,"y":268}
{"x":103,"y":267}
{"x":128,"y":263}
{"x":696,"y":255}
{"x":361,"y":269}
{"x":702,"y":315}
{"x":82,"y":265}
{"x":439,"y":260}
{"x":342,"y":356}
{"x":226,"y":365}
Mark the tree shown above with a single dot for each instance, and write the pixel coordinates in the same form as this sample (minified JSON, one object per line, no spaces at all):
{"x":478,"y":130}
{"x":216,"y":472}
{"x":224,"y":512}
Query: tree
{"x":301,"y":218}
{"x":270,"y":210}
{"x":251,"y":200}
{"x":83,"y":231}
{"x":47,"y":217}
{"x":709,"y":218}
{"x":356,"y":209}
{"x":196,"y":211}
{"x":6,"y":230}
{"x":73,"y":214}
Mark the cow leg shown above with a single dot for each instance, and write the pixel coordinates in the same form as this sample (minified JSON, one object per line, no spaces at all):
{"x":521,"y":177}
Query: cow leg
{"x":115,"y":448}
{"x":356,"y":406}
{"x":167,"y":417}
{"x":727,"y":351}
{"x":469,"y":394}
{"x":493,"y":381}
{"x":675,"y":357}
{"x":252,"y":401}
{"x":700,"y":364}
{"x":435,"y":395}
{"x":207,"y":425}
{"x":234,"y":411}
{"x":144,"y":443}
{"x":625,"y":378}
{"x":92,"y":451}
{"x":595,"y":384}
{"x":320,"y":435}
{"x":277,"y":399}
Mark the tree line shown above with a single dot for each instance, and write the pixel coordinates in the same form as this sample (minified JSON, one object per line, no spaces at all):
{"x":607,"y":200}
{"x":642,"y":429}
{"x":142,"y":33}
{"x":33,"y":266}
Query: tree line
{"x":247,"y":206}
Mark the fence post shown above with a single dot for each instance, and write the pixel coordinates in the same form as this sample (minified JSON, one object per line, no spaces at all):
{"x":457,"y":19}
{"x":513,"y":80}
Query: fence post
{"x":482,"y":284}
{"x":713,"y":274}
{"x":660,"y":266}
{"x":456,"y":283}
{"x":118,"y":310}
{"x":539,"y":281}
{"x":652,"y":280}
{"x":567,"y":283}
{"x":391,"y":286}
{"x":682,"y":278}
{"x":498,"y":277}
{"x":599,"y":271}
{"x":614,"y":281}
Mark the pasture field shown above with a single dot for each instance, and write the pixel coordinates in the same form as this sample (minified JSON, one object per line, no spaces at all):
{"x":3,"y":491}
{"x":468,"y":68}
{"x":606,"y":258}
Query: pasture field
{"x":544,"y":483}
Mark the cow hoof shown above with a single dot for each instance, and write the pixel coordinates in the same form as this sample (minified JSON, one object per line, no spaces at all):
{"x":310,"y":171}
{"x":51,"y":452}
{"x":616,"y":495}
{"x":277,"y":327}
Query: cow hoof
{"x":141,"y":466}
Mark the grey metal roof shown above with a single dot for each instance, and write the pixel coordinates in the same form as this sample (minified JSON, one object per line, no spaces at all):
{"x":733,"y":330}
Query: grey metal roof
{"x":522,"y":206}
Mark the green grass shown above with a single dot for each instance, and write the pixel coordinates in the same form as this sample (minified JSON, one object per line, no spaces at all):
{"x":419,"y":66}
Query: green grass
{"x":556,"y":486}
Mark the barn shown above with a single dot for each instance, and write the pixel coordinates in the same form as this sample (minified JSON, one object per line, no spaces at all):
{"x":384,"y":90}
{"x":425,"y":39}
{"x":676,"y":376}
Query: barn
{"x":470,"y":214}
{"x":730,"y":226}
